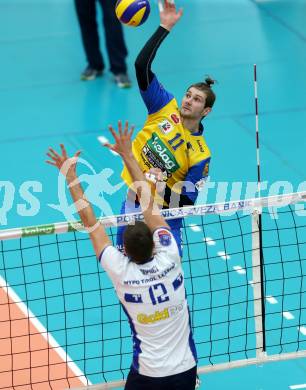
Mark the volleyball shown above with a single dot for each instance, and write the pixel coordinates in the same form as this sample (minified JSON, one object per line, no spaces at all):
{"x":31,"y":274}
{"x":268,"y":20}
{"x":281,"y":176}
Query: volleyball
{"x":132,"y":12}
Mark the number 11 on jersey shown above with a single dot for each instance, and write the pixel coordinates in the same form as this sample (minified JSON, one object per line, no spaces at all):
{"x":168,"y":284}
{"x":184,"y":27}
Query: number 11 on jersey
{"x":172,"y":141}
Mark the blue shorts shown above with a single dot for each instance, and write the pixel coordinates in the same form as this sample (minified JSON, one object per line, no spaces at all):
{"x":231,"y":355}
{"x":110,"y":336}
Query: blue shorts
{"x":184,"y":381}
{"x":129,"y":207}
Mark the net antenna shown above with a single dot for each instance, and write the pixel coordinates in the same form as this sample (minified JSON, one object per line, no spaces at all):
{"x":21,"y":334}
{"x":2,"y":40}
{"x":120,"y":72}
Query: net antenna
{"x":257,"y":133}
{"x":257,"y":257}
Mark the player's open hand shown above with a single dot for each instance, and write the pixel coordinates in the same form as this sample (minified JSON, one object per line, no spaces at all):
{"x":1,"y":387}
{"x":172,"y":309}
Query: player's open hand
{"x":169,"y":16}
{"x":63,"y":162}
{"x":123,"y":139}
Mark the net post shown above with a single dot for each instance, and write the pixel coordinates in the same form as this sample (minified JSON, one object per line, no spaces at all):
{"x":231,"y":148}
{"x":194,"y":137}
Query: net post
{"x":257,"y":268}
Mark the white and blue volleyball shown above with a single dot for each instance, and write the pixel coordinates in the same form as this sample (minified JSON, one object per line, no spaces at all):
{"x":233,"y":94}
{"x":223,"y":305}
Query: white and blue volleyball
{"x":132,"y":12}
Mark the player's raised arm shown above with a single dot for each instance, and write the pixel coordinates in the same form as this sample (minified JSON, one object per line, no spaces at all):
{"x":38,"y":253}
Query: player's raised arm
{"x":67,"y":166}
{"x":123,"y":146}
{"x":169,"y":16}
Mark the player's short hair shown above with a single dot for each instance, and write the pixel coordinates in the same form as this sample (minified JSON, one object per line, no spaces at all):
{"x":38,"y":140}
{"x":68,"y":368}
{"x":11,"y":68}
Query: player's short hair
{"x":206,"y":88}
{"x":138,"y":242}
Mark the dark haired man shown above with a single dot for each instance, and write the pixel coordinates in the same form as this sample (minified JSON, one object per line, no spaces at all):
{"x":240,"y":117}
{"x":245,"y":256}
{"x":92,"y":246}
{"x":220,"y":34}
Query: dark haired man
{"x":148,"y":279}
{"x":172,"y":137}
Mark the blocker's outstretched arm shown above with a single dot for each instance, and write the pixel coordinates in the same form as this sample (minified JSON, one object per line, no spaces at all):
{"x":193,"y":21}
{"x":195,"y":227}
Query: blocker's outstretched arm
{"x":67,"y":166}
{"x":123,"y":146}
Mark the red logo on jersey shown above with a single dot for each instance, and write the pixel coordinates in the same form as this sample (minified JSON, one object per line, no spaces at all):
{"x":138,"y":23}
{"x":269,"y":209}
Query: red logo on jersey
{"x":175,"y":118}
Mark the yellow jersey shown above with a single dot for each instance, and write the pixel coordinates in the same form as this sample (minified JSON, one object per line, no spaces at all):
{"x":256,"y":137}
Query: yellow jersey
{"x":166,"y":144}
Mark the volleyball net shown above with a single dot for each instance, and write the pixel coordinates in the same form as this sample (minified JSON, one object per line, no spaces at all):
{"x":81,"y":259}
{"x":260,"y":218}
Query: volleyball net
{"x":61,"y":325}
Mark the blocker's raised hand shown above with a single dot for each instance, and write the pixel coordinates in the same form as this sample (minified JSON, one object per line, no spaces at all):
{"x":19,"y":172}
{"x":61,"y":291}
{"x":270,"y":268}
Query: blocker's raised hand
{"x":123,"y":139}
{"x":63,"y":162}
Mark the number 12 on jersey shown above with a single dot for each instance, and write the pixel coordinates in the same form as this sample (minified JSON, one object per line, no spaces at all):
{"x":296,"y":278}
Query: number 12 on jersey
{"x":158,"y":293}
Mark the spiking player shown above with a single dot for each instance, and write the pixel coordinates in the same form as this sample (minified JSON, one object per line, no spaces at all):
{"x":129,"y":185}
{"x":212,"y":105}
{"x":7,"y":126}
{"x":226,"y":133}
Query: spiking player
{"x":149,"y":282}
{"x":172,"y":137}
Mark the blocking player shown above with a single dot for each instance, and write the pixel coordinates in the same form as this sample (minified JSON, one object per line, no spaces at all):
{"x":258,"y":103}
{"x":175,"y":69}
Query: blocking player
{"x":149,"y":281}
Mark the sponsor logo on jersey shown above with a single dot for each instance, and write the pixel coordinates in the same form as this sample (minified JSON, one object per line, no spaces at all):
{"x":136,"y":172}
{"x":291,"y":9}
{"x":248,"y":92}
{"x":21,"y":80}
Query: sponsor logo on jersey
{"x":201,"y":147}
{"x":164,"y":237}
{"x":168,"y":312}
{"x":150,"y":278}
{"x":152,"y":318}
{"x":175,"y":118}
{"x":165,"y":126}
{"x":151,"y":160}
{"x":156,"y":150}
{"x":152,"y":270}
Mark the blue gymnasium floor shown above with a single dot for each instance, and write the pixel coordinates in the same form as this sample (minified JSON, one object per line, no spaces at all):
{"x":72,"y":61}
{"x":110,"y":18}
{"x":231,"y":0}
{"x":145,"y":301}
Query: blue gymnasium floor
{"x":43,"y":103}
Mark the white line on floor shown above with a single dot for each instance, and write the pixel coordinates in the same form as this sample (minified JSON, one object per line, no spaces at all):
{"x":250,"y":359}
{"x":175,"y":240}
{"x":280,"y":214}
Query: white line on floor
{"x":288,"y":315}
{"x":294,"y":387}
{"x":195,"y":228}
{"x":271,"y":299}
{"x":209,"y":241}
{"x":239,"y":269}
{"x":104,"y":140}
{"x":223,"y":255}
{"x":302,"y":329}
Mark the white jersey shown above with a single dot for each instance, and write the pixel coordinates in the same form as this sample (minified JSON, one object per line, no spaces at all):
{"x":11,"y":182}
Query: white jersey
{"x":154,"y":299}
